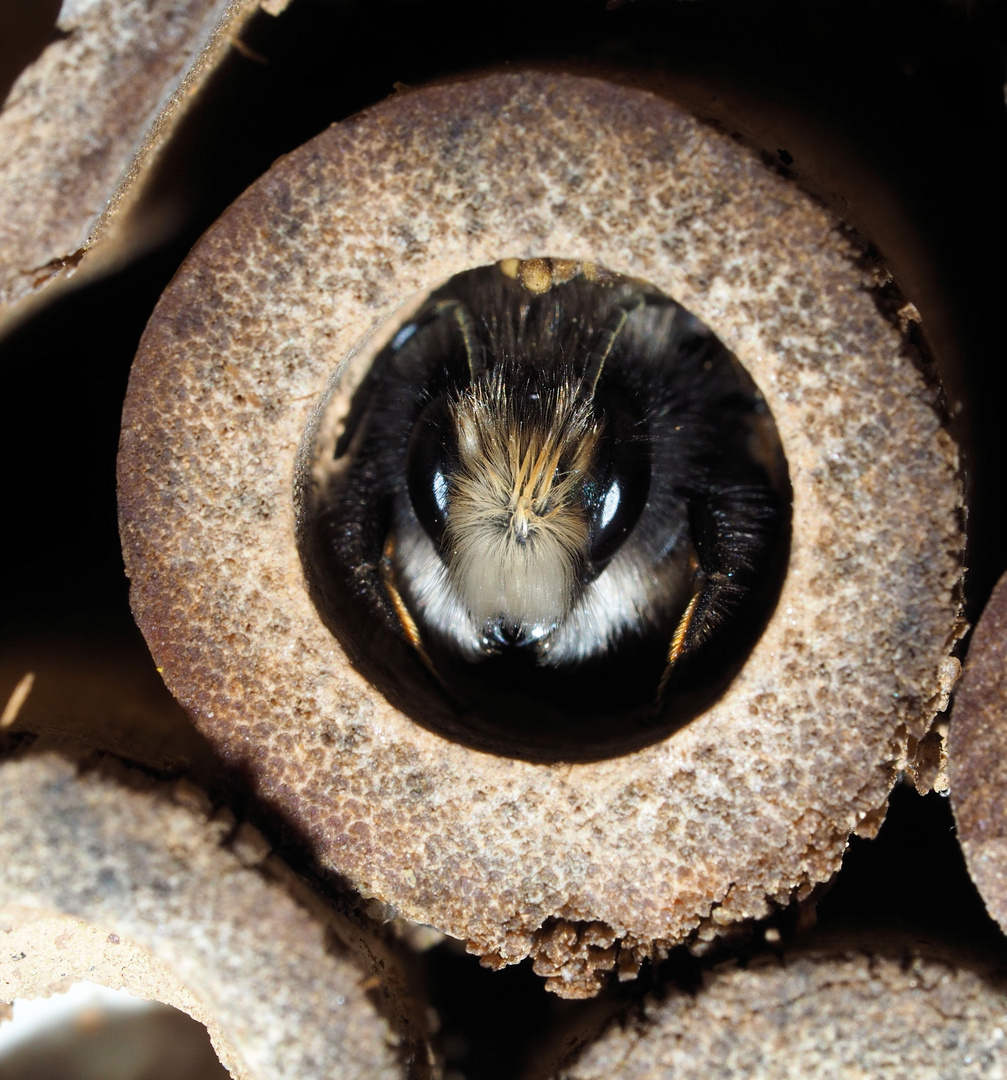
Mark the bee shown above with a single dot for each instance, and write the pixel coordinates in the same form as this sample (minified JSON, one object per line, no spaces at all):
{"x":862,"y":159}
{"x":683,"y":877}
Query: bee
{"x":555,"y":485}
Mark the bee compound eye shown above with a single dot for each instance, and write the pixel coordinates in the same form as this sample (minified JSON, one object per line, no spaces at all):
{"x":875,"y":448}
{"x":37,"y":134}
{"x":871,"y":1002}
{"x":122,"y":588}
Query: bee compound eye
{"x":617,"y":493}
{"x":429,"y":463}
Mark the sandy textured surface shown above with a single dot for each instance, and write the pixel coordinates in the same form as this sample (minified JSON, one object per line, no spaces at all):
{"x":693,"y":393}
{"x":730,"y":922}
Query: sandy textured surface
{"x":849,"y":1015}
{"x":977,"y":756}
{"x":582,"y":865}
{"x":113,"y":878}
{"x":89,"y":115}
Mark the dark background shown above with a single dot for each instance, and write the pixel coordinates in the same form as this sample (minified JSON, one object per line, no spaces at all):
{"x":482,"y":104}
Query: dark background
{"x":893,"y":112}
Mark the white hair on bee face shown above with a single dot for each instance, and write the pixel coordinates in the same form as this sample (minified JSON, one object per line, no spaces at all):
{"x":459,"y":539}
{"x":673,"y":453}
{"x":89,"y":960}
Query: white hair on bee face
{"x":517,"y":532}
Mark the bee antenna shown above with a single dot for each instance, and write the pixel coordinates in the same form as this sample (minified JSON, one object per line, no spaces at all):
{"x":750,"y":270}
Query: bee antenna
{"x":603,"y":347}
{"x":475,"y":353}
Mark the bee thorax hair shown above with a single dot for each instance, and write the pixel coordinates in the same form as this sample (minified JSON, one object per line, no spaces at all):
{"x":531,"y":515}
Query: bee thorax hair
{"x":517,"y":531}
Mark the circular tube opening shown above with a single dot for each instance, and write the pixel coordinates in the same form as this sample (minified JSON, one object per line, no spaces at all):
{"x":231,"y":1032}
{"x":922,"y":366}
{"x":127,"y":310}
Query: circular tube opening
{"x":549,"y":515}
{"x":91,"y":1031}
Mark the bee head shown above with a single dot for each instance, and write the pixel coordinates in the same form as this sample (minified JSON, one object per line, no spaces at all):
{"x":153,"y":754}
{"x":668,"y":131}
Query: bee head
{"x":513,"y":480}
{"x":517,"y":533}
{"x":555,"y":487}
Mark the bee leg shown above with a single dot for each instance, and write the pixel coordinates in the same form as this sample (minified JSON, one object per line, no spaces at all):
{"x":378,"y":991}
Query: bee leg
{"x":680,"y":639}
{"x":402,"y":612}
{"x":731,"y":530}
{"x":681,"y":634}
